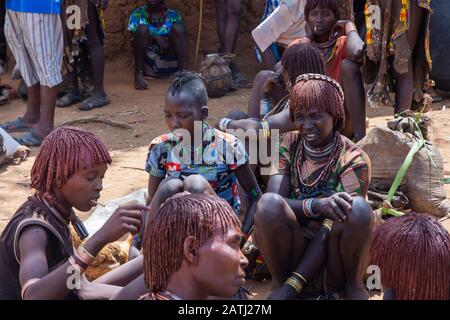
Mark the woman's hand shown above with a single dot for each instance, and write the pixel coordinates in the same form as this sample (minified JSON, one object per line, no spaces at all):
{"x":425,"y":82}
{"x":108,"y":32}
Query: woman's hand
{"x":339,"y":28}
{"x":336,"y":208}
{"x":126,"y":219}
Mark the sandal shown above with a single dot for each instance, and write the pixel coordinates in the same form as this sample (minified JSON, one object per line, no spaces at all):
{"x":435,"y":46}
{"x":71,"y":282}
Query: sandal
{"x":30,"y":139}
{"x":94,"y":102}
{"x":68,"y":99}
{"x":17,"y":125}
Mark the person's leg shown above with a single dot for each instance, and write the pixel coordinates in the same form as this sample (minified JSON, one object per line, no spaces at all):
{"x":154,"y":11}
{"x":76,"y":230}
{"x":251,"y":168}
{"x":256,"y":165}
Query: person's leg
{"x":348,"y":253}
{"x":98,"y":96}
{"x":268,"y":58}
{"x":233,"y":19}
{"x":73,"y":94}
{"x":221,"y":15}
{"x":198,"y":185}
{"x":166,"y":189}
{"x":33,"y":112}
{"x":355,"y":100}
{"x":15,"y":32}
{"x":46,"y":54}
{"x":405,"y":82}
{"x":48,"y":103}
{"x":140,"y":44}
{"x":279,"y":237}
{"x":178,"y":40}
{"x":3,"y":53}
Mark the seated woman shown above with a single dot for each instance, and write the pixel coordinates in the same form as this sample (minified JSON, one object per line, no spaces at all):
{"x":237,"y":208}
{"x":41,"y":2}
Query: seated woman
{"x":37,"y":259}
{"x":191,"y":250}
{"x":159,"y":42}
{"x":342,"y":51}
{"x":297,"y":59}
{"x":314,"y":213}
{"x":195,"y":157}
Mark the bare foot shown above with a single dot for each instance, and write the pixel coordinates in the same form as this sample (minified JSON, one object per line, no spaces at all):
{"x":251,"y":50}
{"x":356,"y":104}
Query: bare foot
{"x":139,"y":82}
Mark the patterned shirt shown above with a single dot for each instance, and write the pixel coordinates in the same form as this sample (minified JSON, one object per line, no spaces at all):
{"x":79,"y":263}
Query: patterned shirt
{"x":35,"y":6}
{"x":217,"y":159}
{"x":140,"y":16}
{"x":351,"y":173}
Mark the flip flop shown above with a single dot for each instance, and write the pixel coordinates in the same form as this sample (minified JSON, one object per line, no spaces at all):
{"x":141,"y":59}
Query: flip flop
{"x":29,"y":139}
{"x":17,"y":125}
{"x":68,"y":99}
{"x":94,"y":102}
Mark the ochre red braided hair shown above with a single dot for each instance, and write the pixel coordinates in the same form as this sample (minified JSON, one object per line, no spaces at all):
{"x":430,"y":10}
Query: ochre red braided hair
{"x":413,"y":253}
{"x":195,"y":215}
{"x":63,"y":152}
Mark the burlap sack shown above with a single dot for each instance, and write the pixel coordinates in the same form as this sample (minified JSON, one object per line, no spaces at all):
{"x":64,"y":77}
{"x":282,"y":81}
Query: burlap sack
{"x":388,"y":149}
{"x":217,"y":74}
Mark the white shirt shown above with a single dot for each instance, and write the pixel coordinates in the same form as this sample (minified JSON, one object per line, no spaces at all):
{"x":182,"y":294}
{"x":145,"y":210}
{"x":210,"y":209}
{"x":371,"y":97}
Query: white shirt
{"x":284,"y":25}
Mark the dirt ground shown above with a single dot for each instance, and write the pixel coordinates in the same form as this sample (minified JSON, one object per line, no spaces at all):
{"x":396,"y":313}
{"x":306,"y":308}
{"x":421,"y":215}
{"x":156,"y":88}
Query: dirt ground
{"x":143,"y":111}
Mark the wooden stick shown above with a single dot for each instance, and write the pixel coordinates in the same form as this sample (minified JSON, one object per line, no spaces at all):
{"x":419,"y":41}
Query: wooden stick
{"x":135,"y":168}
{"x":98,"y":119}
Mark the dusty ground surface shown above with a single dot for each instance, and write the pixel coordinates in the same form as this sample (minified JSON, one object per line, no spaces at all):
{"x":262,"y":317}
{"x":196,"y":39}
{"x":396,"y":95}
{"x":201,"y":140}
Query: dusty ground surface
{"x":143,"y":111}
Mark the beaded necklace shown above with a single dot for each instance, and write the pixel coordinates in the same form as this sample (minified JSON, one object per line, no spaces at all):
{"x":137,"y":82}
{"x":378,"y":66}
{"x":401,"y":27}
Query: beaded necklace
{"x":327,"y":169}
{"x":318,"y":152}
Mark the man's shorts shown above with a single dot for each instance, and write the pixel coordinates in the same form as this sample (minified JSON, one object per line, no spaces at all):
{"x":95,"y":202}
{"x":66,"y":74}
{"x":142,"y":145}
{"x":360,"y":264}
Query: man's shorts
{"x":37,"y":43}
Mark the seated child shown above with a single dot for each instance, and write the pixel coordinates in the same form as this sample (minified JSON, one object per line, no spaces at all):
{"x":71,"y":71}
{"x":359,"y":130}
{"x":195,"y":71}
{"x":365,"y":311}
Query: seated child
{"x":203,"y":159}
{"x":342,"y":52}
{"x":191,"y":250}
{"x":37,"y":259}
{"x":159,"y":42}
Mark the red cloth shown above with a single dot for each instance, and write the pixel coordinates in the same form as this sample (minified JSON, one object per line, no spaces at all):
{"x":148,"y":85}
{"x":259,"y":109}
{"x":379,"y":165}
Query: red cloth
{"x":333,"y":67}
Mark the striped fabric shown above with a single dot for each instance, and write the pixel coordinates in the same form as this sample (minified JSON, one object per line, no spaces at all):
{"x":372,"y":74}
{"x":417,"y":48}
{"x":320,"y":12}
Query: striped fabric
{"x":36,"y":41}
{"x":269,"y":7}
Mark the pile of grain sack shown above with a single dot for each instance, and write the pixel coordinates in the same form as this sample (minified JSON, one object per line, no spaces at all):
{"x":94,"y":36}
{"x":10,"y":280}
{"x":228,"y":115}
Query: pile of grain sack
{"x":388,"y":147}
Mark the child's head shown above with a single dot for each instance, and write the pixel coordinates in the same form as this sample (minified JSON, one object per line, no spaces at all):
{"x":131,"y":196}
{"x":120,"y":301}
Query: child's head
{"x":413,"y":254}
{"x":300,"y":58}
{"x":321,"y":16}
{"x":69,"y":168}
{"x":195,"y":238}
{"x":186,"y":102}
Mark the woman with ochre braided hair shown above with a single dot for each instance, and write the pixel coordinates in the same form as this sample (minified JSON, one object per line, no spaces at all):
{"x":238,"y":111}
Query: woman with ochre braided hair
{"x":37,"y":258}
{"x":191,"y":251}
{"x":314,"y":216}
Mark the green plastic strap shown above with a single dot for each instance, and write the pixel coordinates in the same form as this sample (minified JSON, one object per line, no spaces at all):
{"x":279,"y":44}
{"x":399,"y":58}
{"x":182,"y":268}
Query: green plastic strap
{"x":446,"y":181}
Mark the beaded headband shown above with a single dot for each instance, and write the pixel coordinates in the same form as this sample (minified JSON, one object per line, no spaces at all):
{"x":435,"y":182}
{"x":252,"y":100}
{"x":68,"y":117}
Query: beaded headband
{"x":315,"y":76}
